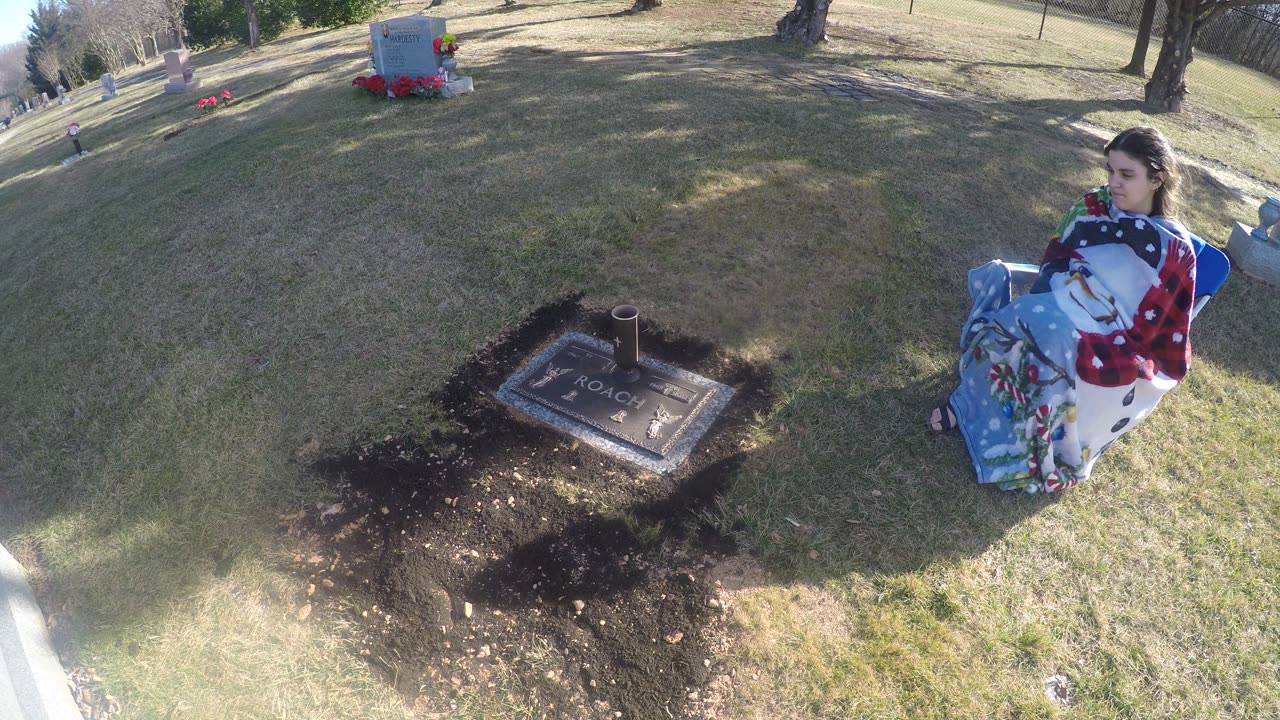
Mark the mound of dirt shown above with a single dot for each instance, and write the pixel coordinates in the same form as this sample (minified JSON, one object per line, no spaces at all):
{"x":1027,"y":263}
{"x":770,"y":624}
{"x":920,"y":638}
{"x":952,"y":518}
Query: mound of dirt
{"x":507,"y":560}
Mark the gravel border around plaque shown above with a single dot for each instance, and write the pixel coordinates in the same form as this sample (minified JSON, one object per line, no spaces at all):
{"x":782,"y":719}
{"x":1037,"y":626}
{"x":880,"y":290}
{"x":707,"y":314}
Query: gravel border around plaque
{"x":604,"y":442}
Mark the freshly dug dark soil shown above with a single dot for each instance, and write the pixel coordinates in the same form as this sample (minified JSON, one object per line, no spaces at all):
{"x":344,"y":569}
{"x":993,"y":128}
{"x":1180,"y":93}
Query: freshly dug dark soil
{"x":506,"y":559}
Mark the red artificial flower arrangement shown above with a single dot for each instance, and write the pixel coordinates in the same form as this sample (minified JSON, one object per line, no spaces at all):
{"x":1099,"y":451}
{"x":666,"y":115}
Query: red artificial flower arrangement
{"x":375,"y":84}
{"x":445,"y":45}
{"x":211,"y":102}
{"x":428,"y":86}
{"x":400,"y":86}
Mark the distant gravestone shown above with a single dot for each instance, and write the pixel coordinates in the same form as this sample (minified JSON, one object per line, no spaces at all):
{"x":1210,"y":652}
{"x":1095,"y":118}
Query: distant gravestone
{"x":44,"y":99}
{"x":177,"y":64}
{"x":62,"y":95}
{"x":403,"y":46}
{"x":108,"y":86}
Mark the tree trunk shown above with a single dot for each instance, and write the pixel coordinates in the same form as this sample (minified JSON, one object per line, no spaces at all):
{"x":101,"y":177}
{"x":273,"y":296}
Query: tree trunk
{"x":805,"y":24}
{"x":1138,"y":63}
{"x":642,"y":5}
{"x":1168,"y":84}
{"x":252,"y":16}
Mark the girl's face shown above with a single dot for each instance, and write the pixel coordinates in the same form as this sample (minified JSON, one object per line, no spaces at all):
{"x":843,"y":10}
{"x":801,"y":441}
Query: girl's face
{"x":1133,"y":189}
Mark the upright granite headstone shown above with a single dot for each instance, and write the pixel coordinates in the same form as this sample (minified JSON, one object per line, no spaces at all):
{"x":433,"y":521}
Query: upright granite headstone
{"x":44,"y":99}
{"x":403,"y":46}
{"x":108,"y":86}
{"x":62,"y":95}
{"x":177,"y":64}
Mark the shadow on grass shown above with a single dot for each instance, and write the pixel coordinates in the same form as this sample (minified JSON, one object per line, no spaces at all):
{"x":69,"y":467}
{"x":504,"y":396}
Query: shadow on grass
{"x":281,"y":235}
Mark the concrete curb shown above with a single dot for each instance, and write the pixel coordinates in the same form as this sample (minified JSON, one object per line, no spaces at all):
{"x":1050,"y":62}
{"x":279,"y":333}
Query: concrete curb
{"x":33,"y":685}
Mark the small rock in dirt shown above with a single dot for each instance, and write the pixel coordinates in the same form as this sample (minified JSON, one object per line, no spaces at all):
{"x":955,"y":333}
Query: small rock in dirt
{"x":304,"y":612}
{"x":467,"y":609}
{"x":327,"y":584}
{"x":713,"y":603}
{"x":693,"y":695}
{"x":673,"y":637}
{"x":706,"y":662}
{"x":517,"y":476}
{"x":1059,"y":690}
{"x":385,"y":510}
{"x":484,"y":651}
{"x":579,"y":605}
{"x":311,"y":589}
{"x":813,"y":554}
{"x":315,"y":560}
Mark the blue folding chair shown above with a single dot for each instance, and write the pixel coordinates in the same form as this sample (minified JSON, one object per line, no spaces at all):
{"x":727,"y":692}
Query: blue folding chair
{"x":1212,"y":268}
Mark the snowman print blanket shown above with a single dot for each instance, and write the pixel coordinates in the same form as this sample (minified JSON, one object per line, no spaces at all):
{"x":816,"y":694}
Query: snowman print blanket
{"x":1049,"y":380}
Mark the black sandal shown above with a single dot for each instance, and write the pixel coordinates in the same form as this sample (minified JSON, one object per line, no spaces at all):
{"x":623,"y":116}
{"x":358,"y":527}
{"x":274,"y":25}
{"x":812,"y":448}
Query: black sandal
{"x":946,"y":420}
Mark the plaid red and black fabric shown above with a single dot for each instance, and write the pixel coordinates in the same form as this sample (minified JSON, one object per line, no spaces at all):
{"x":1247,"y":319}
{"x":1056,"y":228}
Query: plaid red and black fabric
{"x":1158,"y":341}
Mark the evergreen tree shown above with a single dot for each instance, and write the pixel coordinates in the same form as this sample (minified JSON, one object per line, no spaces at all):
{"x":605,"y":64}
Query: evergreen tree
{"x":46,"y":21}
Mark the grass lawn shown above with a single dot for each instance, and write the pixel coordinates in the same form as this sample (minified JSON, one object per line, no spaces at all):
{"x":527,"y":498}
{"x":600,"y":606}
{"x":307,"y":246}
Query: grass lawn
{"x":178,"y":317}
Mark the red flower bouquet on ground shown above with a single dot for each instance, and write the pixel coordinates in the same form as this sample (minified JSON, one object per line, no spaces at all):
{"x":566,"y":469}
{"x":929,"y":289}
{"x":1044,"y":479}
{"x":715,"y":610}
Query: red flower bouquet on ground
{"x":402,"y":86}
{"x":428,"y":87}
{"x":375,"y":84}
{"x":211,"y":102}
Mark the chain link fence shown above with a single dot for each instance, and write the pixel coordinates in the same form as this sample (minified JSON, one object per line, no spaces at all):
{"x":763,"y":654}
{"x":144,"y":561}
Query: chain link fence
{"x":1235,"y":39}
{"x":1248,"y":36}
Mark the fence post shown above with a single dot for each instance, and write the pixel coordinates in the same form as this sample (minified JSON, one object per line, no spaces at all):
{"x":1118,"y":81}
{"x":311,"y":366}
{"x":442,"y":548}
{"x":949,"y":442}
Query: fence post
{"x":1042,"y":16}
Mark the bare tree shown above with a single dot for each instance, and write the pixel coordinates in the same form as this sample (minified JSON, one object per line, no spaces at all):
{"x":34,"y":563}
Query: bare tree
{"x":805,"y":24}
{"x":100,"y":25}
{"x":169,"y":13}
{"x":49,"y":63}
{"x":13,"y":71}
{"x":1138,"y":61}
{"x":1168,"y":84}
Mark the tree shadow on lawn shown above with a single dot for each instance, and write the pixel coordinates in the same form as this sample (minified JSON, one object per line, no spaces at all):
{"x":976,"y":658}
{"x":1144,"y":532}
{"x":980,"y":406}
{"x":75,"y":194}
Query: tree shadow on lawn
{"x":638,"y":129}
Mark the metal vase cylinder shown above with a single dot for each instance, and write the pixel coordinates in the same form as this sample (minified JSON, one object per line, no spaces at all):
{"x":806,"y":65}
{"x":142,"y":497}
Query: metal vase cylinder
{"x":626,"y":342}
{"x":450,"y":66}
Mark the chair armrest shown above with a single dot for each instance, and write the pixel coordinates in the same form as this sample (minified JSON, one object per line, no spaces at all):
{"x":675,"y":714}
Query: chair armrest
{"x":1199,"y":305}
{"x":1022,"y":272}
